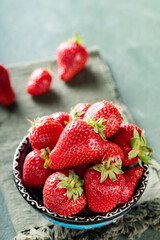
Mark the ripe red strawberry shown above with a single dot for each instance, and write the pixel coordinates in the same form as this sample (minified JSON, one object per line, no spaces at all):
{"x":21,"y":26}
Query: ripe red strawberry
{"x":63,"y":193}
{"x":34,"y":172}
{"x":79,"y":110}
{"x":107,"y":111}
{"x":112,"y":151}
{"x":61,"y":117}
{"x":45,"y":133}
{"x":7,"y":95}
{"x":71,"y":58}
{"x":39,"y":82}
{"x":78,"y":144}
{"x":132,"y":141}
{"x":132,"y":176}
{"x":80,"y":169}
{"x":103,"y":185}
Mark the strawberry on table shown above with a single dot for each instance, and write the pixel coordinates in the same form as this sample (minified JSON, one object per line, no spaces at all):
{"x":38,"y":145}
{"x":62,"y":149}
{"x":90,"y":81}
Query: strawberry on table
{"x":35,"y":171}
{"x":79,"y":110}
{"x":7,"y":94}
{"x":63,"y":193}
{"x":39,"y":82}
{"x":78,"y":144}
{"x":109,"y":112}
{"x":132,"y":176}
{"x":45,"y":132}
{"x":71,"y":58}
{"x":103,"y":185}
{"x":132,"y":141}
{"x":61,"y":117}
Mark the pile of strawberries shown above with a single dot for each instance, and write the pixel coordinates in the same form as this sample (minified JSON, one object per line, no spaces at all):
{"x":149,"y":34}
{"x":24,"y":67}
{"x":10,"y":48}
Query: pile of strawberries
{"x":85,"y":159}
{"x":79,"y":159}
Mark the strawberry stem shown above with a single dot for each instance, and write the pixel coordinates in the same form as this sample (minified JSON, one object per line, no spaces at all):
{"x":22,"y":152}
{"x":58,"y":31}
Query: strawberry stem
{"x":76,"y":39}
{"x":74,"y":114}
{"x":48,"y":69}
{"x":139,"y":148}
{"x":106,"y":168}
{"x":72,"y":183}
{"x":45,"y":153}
{"x":97,"y":126}
{"x":32,"y":124}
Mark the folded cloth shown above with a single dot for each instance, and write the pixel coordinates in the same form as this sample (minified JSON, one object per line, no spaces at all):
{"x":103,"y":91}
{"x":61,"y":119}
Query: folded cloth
{"x":94,"y":83}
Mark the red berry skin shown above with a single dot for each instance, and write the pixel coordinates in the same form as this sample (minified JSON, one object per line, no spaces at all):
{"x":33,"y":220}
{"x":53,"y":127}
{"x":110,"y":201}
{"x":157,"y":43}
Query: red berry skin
{"x":102,"y":197}
{"x":56,"y":200}
{"x":107,"y":111}
{"x":71,"y":59}
{"x":34,"y":173}
{"x":112,"y":151}
{"x":39,"y":82}
{"x":132,"y":176}
{"x":61,"y":117}
{"x":7,"y":95}
{"x":82,"y":107}
{"x":78,"y":144}
{"x":123,"y":139}
{"x":45,"y":133}
{"x":80,"y":169}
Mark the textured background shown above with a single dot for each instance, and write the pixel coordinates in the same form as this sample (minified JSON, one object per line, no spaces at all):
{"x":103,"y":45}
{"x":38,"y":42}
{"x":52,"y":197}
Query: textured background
{"x":127,"y":33}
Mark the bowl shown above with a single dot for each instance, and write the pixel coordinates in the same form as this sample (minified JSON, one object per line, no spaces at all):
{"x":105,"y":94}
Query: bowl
{"x":92,"y":220}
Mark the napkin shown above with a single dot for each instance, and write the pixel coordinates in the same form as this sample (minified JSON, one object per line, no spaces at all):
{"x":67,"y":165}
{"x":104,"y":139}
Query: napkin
{"x":94,"y":83}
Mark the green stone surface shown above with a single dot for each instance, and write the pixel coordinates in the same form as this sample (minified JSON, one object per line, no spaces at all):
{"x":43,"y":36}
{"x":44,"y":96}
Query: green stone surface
{"x":127,"y":34}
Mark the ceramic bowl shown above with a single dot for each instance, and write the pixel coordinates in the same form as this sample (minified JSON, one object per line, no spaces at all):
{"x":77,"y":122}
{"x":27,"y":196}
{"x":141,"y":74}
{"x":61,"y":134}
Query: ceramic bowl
{"x":93,"y":220}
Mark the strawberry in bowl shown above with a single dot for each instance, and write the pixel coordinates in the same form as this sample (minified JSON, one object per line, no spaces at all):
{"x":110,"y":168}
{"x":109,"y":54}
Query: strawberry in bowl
{"x":81,"y":181}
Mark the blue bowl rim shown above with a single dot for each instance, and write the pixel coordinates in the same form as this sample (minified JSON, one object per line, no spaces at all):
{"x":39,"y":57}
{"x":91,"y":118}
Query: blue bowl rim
{"x":75,"y":220}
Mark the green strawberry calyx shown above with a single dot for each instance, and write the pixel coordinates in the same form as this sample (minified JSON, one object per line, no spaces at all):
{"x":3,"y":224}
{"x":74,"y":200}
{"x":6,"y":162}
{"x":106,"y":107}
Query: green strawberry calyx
{"x":32,"y":124}
{"x":76,"y":39}
{"x":45,"y":153}
{"x":48,"y":69}
{"x":74,"y":114}
{"x":97,"y":126}
{"x":72,"y":183}
{"x":108,"y":169}
{"x":139,"y":148}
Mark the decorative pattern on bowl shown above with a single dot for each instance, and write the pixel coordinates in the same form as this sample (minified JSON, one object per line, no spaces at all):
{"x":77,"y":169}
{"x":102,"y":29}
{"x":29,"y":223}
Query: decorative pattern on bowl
{"x":34,"y":197}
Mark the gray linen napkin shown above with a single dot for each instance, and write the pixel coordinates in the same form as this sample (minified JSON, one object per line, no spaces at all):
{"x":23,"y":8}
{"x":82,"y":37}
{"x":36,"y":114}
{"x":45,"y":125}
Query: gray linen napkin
{"x":94,"y":83}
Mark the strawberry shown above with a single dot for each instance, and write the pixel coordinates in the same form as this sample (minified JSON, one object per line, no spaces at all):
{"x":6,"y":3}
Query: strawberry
{"x":34,"y":171}
{"x":78,"y":144}
{"x":79,"y":110}
{"x":107,"y":111}
{"x":103,"y":185}
{"x":7,"y":94}
{"x":39,"y":82}
{"x":71,"y":58}
{"x":133,"y":143}
{"x":80,"y":169}
{"x":45,"y":132}
{"x":61,"y":117}
{"x":112,"y":151}
{"x":132,"y":176}
{"x":63,"y":193}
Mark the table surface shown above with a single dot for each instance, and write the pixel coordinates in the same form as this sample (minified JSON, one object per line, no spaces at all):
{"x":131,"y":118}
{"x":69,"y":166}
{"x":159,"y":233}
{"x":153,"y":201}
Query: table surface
{"x":127,"y":34}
